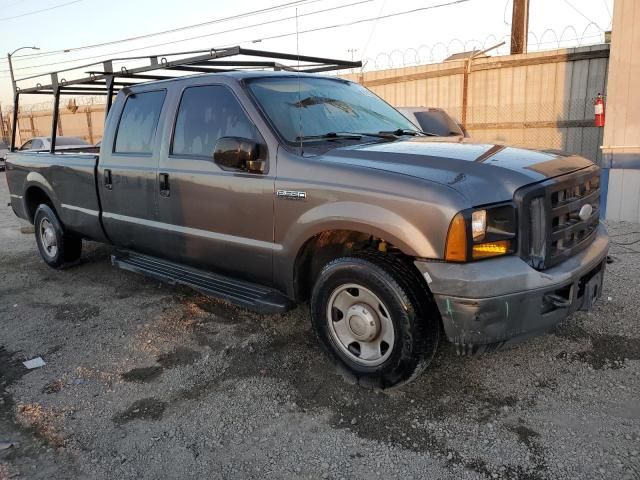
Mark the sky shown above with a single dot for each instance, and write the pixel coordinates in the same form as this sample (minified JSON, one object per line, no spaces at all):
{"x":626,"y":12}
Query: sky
{"x":431,"y":31}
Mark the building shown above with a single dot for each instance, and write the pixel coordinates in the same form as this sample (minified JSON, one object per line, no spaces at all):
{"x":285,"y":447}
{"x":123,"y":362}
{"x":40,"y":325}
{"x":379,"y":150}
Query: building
{"x":621,"y":144}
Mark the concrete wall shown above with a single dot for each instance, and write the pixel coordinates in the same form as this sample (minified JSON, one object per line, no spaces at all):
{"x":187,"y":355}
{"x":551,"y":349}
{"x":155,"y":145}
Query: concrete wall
{"x":621,"y":147}
{"x":537,"y":100}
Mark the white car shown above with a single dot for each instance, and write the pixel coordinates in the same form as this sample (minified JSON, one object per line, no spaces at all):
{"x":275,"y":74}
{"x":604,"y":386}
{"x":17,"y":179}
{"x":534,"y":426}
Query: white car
{"x":62,"y":143}
{"x":434,"y":120}
{"x":4,"y":149}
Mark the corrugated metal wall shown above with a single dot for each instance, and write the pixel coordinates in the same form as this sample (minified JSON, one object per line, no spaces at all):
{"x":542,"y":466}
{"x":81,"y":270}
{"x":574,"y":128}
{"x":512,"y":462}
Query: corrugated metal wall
{"x":621,"y":146}
{"x":537,"y":100}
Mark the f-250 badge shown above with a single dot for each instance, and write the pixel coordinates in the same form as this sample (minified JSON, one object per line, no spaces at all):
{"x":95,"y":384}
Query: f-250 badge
{"x":291,"y":194}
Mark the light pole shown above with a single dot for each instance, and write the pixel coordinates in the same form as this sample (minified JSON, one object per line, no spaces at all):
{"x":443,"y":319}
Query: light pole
{"x":9,"y":55}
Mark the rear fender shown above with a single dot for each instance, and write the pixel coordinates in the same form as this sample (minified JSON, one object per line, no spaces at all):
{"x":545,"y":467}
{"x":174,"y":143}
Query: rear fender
{"x":35,"y":179}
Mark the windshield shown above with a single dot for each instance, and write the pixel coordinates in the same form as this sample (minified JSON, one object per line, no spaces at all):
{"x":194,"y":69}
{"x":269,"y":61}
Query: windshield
{"x":308,"y":107}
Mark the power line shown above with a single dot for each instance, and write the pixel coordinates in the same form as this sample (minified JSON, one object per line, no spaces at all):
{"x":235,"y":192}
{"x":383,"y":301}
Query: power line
{"x":317,"y":29}
{"x":373,"y":28}
{"x":365,"y":20}
{"x":33,"y":12}
{"x":504,"y":14}
{"x":173,"y":30}
{"x":582,"y":14}
{"x":107,"y":55}
{"x":606,"y":5}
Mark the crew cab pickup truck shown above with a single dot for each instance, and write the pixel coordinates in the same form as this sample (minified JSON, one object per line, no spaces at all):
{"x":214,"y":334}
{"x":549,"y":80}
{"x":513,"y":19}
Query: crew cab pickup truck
{"x":272,"y":188}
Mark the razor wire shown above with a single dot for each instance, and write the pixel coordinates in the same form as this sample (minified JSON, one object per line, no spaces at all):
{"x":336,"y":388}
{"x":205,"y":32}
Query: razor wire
{"x":549,"y":39}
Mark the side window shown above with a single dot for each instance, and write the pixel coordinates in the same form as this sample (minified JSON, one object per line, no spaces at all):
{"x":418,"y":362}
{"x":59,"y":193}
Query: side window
{"x":206,"y":114}
{"x":137,"y":127}
{"x":26,"y":145}
{"x":37,"y":144}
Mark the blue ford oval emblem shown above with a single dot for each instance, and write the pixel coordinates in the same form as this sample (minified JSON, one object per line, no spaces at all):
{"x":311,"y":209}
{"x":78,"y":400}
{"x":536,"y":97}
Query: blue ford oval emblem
{"x":585,"y":212}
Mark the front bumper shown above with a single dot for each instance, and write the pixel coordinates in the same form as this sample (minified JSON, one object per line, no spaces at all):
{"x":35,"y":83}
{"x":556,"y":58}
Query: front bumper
{"x":494,"y":303}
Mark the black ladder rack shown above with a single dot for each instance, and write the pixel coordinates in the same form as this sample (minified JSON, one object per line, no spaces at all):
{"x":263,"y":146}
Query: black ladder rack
{"x":103,"y":79}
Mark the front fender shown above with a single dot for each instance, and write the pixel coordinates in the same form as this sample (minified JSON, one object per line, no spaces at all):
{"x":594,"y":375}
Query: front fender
{"x":359,"y":217}
{"x":352,"y":216}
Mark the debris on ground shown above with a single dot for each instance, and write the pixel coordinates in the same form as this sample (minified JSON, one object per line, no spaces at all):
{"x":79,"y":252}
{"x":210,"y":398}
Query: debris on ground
{"x":34,"y":363}
{"x":6,"y":445}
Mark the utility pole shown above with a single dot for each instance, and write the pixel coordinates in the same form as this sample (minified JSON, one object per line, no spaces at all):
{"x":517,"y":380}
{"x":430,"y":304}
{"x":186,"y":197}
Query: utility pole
{"x":3,"y":134}
{"x":519,"y":26}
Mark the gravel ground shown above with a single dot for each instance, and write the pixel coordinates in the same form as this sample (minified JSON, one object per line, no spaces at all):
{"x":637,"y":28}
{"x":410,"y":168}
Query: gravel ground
{"x":145,"y":380}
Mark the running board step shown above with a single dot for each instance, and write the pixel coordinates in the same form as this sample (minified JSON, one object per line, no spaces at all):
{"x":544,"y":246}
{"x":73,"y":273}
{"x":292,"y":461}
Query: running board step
{"x":244,"y":294}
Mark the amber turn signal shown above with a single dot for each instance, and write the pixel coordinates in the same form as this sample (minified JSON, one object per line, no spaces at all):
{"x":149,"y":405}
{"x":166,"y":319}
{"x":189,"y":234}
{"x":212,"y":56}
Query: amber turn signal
{"x":491,"y":249}
{"x":456,"y":249}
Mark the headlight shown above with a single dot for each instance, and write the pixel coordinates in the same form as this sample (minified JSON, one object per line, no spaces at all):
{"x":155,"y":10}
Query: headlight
{"x":482,"y":233}
{"x":478,"y":224}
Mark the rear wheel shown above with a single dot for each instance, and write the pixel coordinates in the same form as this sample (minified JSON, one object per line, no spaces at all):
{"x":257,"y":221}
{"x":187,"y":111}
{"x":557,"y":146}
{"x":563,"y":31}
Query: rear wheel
{"x":57,"y":248}
{"x":375,"y":319}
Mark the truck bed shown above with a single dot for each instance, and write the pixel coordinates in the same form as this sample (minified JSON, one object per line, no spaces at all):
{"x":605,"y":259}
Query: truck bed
{"x":68,"y":179}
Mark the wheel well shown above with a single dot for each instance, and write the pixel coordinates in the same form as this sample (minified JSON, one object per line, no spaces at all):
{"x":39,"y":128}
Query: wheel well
{"x":34,"y":197}
{"x":329,"y":245}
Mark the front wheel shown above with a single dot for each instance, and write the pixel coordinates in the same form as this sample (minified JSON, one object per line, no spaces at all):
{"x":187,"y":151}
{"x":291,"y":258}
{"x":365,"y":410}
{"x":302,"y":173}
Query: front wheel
{"x":57,"y":248}
{"x":374,"y":318}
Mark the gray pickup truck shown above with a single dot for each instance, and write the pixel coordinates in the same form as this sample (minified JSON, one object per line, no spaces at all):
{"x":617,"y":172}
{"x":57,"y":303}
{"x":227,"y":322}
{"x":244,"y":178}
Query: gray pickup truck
{"x":273,"y":188}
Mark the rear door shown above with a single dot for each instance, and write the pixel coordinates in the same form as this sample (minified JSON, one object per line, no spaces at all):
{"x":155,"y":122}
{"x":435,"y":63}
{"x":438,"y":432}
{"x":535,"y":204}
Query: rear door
{"x":127,"y":178}
{"x":214,"y":218}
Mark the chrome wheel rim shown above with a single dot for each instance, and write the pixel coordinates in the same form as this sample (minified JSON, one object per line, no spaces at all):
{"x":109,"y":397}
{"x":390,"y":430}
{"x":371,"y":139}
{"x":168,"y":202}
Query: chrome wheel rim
{"x":48,"y":238}
{"x":360,"y":325}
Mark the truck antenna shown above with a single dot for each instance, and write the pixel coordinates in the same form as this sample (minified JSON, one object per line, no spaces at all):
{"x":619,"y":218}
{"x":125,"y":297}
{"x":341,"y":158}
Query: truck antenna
{"x":299,"y":87}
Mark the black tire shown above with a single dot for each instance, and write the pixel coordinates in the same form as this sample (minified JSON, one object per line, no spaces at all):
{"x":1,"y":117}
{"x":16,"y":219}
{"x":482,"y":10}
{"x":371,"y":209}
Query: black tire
{"x":68,"y":247}
{"x":411,"y":311}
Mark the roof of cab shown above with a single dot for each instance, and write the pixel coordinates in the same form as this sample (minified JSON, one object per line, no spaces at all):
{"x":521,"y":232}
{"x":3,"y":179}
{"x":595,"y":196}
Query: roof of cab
{"x":238,"y":75}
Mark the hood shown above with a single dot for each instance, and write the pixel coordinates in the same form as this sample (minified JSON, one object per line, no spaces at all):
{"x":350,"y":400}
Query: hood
{"x":482,"y":173}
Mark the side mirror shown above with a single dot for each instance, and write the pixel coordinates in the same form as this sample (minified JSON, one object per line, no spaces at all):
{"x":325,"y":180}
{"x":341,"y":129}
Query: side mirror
{"x":235,"y":153}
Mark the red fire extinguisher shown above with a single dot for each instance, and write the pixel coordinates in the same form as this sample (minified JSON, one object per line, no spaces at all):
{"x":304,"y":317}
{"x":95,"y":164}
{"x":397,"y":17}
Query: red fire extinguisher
{"x":599,"y":110}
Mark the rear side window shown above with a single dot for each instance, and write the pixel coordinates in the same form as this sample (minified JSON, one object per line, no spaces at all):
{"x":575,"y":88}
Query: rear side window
{"x":138,"y":123}
{"x":205,"y":115}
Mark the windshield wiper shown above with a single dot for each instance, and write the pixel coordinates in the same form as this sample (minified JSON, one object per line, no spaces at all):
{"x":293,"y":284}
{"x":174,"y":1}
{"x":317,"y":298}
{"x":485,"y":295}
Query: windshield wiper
{"x":406,"y":131}
{"x":329,"y":136}
{"x":383,"y":134}
{"x":347,"y":136}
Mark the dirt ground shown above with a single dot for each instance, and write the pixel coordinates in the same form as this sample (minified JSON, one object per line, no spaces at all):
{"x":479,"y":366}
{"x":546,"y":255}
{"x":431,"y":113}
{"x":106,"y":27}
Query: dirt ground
{"x":144,"y":380}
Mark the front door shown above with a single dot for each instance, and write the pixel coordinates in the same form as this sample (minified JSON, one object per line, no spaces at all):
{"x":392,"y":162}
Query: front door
{"x":216,"y":219}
